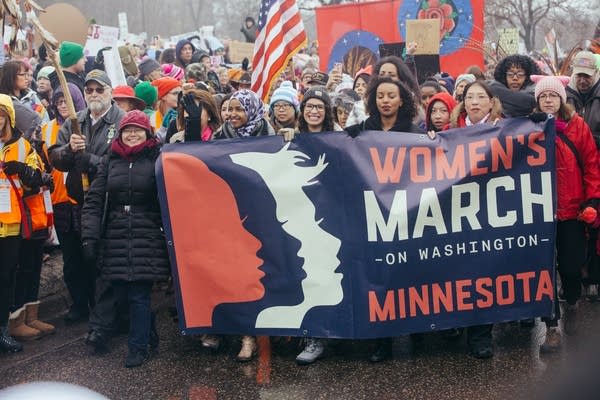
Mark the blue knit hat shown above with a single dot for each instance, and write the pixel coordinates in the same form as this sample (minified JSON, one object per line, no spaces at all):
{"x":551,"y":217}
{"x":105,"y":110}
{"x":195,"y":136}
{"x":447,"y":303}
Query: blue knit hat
{"x":285,"y":92}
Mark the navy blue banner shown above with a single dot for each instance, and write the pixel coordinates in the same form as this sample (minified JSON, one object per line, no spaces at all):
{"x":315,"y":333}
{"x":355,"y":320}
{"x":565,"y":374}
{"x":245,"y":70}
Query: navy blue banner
{"x":381,"y":235}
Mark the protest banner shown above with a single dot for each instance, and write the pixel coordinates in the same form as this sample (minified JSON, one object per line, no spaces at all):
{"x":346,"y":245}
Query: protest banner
{"x":509,"y":40}
{"x":381,"y":235}
{"x":366,"y":25}
{"x":425,"y":33}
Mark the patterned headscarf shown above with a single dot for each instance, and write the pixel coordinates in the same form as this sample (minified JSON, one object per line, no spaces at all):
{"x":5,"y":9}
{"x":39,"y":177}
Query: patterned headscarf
{"x":254,"y":108}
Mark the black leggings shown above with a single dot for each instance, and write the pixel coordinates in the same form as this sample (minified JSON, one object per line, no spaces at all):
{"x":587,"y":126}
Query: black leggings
{"x":571,"y":254}
{"x":9,"y":259}
{"x":28,"y":274}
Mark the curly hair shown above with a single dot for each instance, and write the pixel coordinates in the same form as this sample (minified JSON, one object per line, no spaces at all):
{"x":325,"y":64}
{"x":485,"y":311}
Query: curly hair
{"x":517,"y":61}
{"x":404,"y":73}
{"x":407,"y":111}
{"x":327,"y":125}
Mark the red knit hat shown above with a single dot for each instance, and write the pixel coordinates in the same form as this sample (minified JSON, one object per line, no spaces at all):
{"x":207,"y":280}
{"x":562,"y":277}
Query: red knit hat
{"x":136,"y":118}
{"x":164,"y":85}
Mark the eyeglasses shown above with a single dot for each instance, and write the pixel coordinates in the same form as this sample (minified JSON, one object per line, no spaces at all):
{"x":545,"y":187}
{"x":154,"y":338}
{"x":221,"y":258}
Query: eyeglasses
{"x":550,"y":95}
{"x":318,"y":107}
{"x":99,"y":90}
{"x":282,"y":106}
{"x":133,"y":130}
{"x":519,"y":75}
{"x":22,"y":73}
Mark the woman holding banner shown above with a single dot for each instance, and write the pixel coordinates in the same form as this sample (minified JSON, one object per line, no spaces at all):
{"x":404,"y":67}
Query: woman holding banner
{"x":578,"y":195}
{"x":391,"y":108}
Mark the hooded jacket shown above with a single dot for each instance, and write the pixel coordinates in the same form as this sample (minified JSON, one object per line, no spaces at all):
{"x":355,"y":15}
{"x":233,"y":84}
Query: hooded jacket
{"x":178,"y":48}
{"x":450,"y":103}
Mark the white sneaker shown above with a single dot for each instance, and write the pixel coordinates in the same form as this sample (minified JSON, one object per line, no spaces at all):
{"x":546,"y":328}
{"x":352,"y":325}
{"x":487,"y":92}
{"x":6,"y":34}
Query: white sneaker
{"x":313,"y":350}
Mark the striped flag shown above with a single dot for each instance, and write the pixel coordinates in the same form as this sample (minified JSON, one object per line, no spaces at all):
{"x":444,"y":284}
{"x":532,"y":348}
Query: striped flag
{"x":280,"y":35}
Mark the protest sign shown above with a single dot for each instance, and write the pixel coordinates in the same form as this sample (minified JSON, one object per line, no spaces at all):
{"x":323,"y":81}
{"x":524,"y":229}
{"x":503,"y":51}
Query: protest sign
{"x":240,"y":50}
{"x":99,"y":37}
{"x":509,"y":40}
{"x":381,"y":235}
{"x":425,"y":33}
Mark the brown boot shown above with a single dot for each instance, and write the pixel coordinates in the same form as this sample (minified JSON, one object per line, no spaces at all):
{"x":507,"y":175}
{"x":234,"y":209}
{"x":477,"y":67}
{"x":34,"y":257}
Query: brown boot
{"x":31,"y":319}
{"x":553,"y":340}
{"x":248,"y":350}
{"x":18,"y":329}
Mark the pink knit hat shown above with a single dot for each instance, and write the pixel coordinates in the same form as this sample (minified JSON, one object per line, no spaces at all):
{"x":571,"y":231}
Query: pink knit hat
{"x":555,"y":84}
{"x":173,"y":71}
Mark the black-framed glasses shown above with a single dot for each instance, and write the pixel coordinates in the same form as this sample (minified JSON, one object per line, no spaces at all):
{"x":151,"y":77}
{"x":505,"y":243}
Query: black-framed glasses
{"x":99,"y":90}
{"x":282,"y":106}
{"x":519,"y":75}
{"x":318,"y":107}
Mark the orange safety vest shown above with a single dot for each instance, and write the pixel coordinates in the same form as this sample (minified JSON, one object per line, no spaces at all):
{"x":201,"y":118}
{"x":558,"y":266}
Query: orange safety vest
{"x":10,"y":212}
{"x":41,"y":212}
{"x":49,"y":136}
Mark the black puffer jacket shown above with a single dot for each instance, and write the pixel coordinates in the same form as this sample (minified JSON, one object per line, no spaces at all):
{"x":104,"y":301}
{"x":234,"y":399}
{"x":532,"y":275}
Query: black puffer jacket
{"x":132,"y":245}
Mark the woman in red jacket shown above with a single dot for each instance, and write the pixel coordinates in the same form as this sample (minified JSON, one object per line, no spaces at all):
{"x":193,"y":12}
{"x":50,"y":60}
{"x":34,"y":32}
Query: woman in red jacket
{"x":577,"y":187}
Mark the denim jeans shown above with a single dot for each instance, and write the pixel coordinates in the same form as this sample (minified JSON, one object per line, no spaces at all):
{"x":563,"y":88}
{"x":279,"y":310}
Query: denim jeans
{"x":140,"y":312}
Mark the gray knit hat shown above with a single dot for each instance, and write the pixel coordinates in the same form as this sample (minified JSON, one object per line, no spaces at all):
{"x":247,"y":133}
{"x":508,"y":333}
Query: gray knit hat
{"x":147,"y":66}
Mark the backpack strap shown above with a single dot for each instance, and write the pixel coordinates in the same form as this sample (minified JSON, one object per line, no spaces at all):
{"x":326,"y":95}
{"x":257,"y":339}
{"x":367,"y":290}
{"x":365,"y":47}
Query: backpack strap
{"x":571,"y":146}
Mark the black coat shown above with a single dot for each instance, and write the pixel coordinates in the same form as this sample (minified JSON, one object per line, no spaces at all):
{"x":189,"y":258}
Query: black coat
{"x":132,"y":245}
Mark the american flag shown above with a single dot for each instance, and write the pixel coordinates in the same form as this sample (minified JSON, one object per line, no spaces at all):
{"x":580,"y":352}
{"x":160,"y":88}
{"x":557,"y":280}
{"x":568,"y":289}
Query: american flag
{"x":280,"y":35}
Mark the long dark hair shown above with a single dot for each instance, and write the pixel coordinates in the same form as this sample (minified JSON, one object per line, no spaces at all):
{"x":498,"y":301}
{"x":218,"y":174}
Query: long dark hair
{"x":327,"y":121}
{"x":404,"y":73}
{"x":406,"y":112}
{"x":10,"y":69}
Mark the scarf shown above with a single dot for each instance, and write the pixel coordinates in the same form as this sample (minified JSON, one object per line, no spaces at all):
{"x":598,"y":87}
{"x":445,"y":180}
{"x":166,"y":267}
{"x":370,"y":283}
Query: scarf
{"x":254,"y":108}
{"x":560,"y":125}
{"x":129,"y":152}
{"x":483,"y":120}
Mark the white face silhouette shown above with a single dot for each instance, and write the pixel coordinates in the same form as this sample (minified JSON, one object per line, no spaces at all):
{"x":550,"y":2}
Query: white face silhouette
{"x":285,"y":174}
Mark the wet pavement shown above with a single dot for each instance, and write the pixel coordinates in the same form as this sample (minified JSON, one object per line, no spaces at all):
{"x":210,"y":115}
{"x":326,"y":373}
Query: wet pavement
{"x":430,"y":368}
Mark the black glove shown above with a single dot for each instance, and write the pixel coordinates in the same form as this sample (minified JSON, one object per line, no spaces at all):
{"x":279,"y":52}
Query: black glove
{"x":13,"y":167}
{"x":48,"y":181}
{"x":245,"y":63}
{"x":538,"y":117}
{"x":90,"y":252}
{"x":82,"y":160}
{"x":193,"y":110}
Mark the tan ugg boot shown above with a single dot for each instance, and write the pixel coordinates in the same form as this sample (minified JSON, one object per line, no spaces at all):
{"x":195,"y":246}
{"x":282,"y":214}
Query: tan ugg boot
{"x":248,"y":350}
{"x":18,"y":329}
{"x":31,"y":319}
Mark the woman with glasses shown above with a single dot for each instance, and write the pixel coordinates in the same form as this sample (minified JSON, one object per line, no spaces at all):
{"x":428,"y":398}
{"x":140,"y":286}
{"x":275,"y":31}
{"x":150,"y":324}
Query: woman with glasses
{"x":513,"y":86}
{"x":577,"y":187}
{"x":122,"y":227}
{"x":284,"y":107}
{"x":15,"y":81}
{"x":168,"y":96}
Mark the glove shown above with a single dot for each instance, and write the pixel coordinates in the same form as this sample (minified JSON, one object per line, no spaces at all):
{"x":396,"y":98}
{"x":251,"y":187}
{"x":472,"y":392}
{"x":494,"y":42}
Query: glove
{"x":82,"y":160}
{"x":89,"y":248}
{"x":13,"y":167}
{"x":189,"y":105}
{"x":245,"y":63}
{"x":48,"y":181}
{"x":538,"y":117}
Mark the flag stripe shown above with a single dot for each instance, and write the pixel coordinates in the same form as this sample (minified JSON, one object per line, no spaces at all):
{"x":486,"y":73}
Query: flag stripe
{"x":281,"y":36}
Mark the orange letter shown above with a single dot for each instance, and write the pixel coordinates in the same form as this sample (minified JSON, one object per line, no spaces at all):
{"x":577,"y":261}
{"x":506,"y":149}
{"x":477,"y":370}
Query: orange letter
{"x":422,"y":300}
{"x":540,"y":150}
{"x":487,"y":294}
{"x":510,"y":298}
{"x":526,"y":277}
{"x":475,"y":157}
{"x":401,"y":304}
{"x":425,"y":153}
{"x":440,"y":296}
{"x":498,"y":153}
{"x":443,"y":170}
{"x":388,"y":172}
{"x":544,"y":286}
{"x":462,"y":295}
{"x":389,"y":308}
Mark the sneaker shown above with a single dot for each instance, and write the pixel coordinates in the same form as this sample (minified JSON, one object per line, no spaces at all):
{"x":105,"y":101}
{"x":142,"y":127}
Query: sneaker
{"x":210,"y":341}
{"x":98,"y":341}
{"x":570,"y":318}
{"x":313,"y":350}
{"x":135,"y":358}
{"x":553,"y":340}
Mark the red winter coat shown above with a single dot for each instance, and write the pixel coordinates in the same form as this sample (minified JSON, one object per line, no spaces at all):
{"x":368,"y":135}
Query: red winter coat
{"x":573,"y":186}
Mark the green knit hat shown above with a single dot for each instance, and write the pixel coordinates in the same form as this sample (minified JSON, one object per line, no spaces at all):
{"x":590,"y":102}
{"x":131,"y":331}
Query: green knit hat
{"x":146,"y":92}
{"x":70,"y":53}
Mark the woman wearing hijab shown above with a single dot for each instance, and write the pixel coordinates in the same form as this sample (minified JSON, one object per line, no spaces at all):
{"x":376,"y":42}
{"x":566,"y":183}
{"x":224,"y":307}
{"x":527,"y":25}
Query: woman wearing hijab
{"x":246,"y":117}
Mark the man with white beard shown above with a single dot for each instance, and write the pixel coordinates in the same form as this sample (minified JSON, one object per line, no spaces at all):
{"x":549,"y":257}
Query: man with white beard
{"x":80,"y":156}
